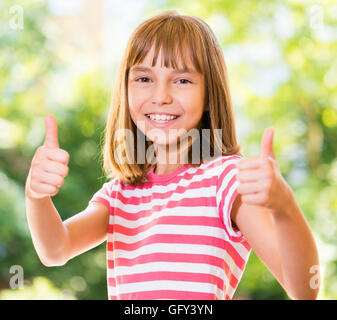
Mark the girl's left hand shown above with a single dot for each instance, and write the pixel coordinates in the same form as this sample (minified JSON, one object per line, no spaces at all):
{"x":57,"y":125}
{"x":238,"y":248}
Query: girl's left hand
{"x":260,"y":180}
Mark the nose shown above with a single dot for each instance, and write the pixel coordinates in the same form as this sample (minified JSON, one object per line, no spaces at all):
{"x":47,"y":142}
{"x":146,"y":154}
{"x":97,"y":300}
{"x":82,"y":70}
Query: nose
{"x":161,"y":94}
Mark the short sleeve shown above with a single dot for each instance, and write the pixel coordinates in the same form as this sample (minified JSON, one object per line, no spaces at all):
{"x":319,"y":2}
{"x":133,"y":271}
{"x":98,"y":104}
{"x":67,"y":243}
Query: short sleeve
{"x":226,"y":193}
{"x":104,"y":194}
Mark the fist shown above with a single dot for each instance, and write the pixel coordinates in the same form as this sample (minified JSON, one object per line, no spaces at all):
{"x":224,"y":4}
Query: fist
{"x":260,"y":180}
{"x":49,"y":166}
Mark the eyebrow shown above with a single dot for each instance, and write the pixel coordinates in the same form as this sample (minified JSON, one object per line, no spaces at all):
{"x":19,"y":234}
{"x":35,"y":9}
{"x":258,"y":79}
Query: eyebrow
{"x":176,"y":71}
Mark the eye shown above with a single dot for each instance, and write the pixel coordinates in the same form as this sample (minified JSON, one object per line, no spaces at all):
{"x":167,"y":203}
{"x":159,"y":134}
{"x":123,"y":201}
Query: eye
{"x":142,"y":78}
{"x":185,"y":80}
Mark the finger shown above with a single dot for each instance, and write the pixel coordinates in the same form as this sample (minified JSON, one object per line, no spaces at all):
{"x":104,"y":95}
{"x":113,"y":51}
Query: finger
{"x":55,"y":167}
{"x":43,"y":188}
{"x":48,"y":178}
{"x":251,"y":163}
{"x":252,"y":175}
{"x":267,"y":143}
{"x":51,"y":139}
{"x":249,"y":188}
{"x":58,"y":155}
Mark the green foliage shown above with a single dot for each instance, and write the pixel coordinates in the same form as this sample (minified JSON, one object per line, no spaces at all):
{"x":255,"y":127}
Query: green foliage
{"x":40,"y":289}
{"x":28,"y":65}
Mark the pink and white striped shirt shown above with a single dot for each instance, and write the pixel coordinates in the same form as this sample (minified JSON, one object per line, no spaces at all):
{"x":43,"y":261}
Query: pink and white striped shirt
{"x":172,"y":238}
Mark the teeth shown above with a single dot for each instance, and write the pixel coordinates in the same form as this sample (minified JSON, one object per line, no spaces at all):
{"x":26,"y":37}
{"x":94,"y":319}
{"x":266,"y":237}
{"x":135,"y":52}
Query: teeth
{"x":162,"y":117}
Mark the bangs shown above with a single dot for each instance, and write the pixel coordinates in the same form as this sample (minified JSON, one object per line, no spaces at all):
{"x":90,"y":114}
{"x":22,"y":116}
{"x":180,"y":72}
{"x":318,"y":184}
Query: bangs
{"x":177,"y":37}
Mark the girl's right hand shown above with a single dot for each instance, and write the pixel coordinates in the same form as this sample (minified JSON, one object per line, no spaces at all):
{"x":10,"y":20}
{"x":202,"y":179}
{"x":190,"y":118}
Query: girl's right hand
{"x":49,"y":166}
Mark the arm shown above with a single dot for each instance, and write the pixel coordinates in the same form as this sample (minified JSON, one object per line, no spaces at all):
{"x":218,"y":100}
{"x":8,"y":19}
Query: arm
{"x":283,"y":242}
{"x":270,"y":218}
{"x":55,"y":241}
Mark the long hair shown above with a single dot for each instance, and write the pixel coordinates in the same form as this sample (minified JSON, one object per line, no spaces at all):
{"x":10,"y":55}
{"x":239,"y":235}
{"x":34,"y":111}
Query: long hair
{"x":175,"y":34}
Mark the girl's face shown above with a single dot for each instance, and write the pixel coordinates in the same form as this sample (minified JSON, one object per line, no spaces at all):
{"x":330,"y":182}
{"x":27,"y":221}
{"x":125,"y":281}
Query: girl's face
{"x":160,"y":90}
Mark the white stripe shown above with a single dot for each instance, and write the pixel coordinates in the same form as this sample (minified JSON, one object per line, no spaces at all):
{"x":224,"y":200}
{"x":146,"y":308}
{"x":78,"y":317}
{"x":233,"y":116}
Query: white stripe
{"x":226,"y":179}
{"x":192,"y":249}
{"x":225,"y":213}
{"x":167,"y":266}
{"x":174,"y":211}
{"x":227,"y":210}
{"x":169,"y":285}
{"x":112,"y":291}
{"x":188,"y":193}
{"x":168,"y":248}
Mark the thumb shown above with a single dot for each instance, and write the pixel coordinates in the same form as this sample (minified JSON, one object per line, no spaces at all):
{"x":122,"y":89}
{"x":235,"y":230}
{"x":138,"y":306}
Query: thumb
{"x":51,"y":139}
{"x":267,"y":143}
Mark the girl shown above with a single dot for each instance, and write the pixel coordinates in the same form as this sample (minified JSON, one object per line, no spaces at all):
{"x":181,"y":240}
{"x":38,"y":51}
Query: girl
{"x":176,"y":228}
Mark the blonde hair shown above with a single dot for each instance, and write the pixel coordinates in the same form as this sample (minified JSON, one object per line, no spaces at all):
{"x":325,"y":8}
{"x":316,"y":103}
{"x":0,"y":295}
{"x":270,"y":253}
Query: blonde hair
{"x":174,"y":34}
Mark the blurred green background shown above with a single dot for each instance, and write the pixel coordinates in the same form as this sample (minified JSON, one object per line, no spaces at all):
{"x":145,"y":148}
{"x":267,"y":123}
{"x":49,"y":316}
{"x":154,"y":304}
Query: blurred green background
{"x":60,"y":57}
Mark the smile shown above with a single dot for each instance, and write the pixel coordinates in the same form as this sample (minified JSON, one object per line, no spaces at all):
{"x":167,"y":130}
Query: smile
{"x":161,"y":120}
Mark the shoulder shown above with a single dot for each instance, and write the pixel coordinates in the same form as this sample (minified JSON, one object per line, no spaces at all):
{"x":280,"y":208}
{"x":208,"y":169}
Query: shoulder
{"x":109,"y":186}
{"x":226,"y":166}
{"x":226,"y":160}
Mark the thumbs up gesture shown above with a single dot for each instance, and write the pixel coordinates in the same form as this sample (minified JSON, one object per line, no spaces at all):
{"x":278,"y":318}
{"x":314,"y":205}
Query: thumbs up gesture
{"x":260,"y":180}
{"x":49,"y":166}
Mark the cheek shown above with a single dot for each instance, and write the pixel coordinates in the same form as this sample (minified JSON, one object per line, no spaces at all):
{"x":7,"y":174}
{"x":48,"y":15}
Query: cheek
{"x":136,"y":98}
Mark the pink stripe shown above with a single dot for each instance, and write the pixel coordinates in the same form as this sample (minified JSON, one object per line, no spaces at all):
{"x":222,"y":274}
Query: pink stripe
{"x":172,"y":238}
{"x":186,"y":202}
{"x":101,"y":200}
{"x":188,"y":176}
{"x":111,"y":282}
{"x":172,"y":220}
{"x":206,"y":240}
{"x":168,"y":276}
{"x":186,"y":239}
{"x":167,"y":294}
{"x":111,"y":264}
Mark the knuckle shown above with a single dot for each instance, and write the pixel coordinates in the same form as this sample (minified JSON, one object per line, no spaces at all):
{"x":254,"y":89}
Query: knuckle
{"x":60,"y":181}
{"x":264,"y":198}
{"x":65,"y":155}
{"x":34,"y":173}
{"x":33,"y":185}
